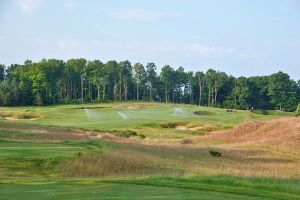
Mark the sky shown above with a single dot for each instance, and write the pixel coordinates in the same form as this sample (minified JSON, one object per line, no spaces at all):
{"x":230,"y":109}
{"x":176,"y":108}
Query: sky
{"x":239,"y":37}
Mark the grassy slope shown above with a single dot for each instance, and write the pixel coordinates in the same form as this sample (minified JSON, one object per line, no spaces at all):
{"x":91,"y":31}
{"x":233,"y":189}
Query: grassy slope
{"x":22,"y":161}
{"x":146,"y":119}
{"x":24,"y":165}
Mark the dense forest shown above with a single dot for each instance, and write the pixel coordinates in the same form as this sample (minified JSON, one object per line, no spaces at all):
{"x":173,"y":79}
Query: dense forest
{"x":54,"y":81}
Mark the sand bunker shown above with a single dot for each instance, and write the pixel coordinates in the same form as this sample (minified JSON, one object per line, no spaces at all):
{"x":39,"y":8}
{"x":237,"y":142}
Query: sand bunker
{"x":15,"y":118}
{"x":205,"y":128}
{"x":184,"y":128}
{"x":27,"y":115}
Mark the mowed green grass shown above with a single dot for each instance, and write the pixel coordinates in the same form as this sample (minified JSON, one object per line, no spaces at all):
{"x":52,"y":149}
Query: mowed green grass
{"x":32,"y":159}
{"x":210,"y":188}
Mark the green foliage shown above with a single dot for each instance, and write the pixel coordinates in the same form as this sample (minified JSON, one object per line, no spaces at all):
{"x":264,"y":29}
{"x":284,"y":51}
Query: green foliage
{"x":282,"y":91}
{"x":54,"y":81}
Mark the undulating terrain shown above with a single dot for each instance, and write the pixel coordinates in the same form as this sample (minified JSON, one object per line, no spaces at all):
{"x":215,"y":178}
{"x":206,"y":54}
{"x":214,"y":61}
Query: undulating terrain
{"x":139,"y":150}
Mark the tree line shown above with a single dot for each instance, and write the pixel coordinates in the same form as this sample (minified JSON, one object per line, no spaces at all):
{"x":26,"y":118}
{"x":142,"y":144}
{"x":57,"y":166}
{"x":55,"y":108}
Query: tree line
{"x":55,"y":81}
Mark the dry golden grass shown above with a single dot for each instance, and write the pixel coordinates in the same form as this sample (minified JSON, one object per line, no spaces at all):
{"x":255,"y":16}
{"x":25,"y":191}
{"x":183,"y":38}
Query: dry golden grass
{"x":280,"y":134}
{"x":14,"y":115}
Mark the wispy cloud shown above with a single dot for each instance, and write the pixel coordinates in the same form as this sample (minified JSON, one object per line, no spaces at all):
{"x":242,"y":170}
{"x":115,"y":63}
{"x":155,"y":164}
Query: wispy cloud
{"x":211,"y":50}
{"x":71,"y":4}
{"x":28,"y":7}
{"x":142,"y":15}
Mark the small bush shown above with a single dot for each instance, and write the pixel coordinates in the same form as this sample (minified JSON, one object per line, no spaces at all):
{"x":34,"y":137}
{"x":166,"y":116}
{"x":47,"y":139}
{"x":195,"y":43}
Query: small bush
{"x":125,"y":134}
{"x":142,"y":136}
{"x":215,"y":153}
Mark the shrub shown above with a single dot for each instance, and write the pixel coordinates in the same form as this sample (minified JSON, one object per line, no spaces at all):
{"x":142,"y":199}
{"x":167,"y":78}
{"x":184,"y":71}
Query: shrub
{"x":215,"y":153}
{"x":126,"y":133}
{"x":142,"y":136}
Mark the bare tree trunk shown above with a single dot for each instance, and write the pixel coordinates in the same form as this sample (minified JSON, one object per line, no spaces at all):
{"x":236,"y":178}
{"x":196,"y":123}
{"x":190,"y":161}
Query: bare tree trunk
{"x":125,"y":89}
{"x":200,"y":94}
{"x":208,"y":103}
{"x":98,"y":93}
{"x":81,"y":83}
{"x":137,"y":91}
{"x":103,"y":93}
{"x":120,"y":89}
{"x":191,"y":96}
{"x":89,"y":90}
{"x":150,"y":91}
{"x":166,"y":93}
{"x":115,"y":91}
{"x":173,"y":96}
{"x":216,"y":93}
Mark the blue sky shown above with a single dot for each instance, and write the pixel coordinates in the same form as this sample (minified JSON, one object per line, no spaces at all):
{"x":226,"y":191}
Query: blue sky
{"x":242,"y":38}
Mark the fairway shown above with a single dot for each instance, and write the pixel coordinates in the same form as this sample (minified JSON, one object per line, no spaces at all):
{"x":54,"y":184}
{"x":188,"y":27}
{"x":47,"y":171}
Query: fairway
{"x":143,"y":189}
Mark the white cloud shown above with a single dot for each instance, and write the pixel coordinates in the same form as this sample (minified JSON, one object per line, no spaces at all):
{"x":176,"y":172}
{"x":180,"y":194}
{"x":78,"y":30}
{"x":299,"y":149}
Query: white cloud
{"x":28,"y":7}
{"x":71,"y":4}
{"x":142,"y":15}
{"x":211,"y":50}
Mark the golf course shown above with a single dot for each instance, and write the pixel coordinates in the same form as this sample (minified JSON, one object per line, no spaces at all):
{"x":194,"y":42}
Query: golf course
{"x":147,"y":151}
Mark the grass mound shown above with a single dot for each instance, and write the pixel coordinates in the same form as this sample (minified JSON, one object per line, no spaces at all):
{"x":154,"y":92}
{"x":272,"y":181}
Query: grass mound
{"x":271,"y":112}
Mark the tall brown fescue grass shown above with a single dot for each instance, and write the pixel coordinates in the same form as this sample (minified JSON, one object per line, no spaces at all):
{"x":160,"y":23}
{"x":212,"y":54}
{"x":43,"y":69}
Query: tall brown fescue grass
{"x":140,"y":160}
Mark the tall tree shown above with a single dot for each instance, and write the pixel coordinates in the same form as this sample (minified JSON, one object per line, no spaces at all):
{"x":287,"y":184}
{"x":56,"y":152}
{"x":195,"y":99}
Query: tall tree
{"x":166,"y":78}
{"x":201,"y":81}
{"x":126,"y":76}
{"x":150,"y":77}
{"x":79,"y":65}
{"x":99,"y":77}
{"x":210,"y":79}
{"x":139,"y":76}
{"x":282,"y":91}
{"x":2,"y":69}
{"x":112,"y":68}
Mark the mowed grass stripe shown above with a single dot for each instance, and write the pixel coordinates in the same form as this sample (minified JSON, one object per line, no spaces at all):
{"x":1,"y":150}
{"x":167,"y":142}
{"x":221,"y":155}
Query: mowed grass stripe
{"x":132,"y":189}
